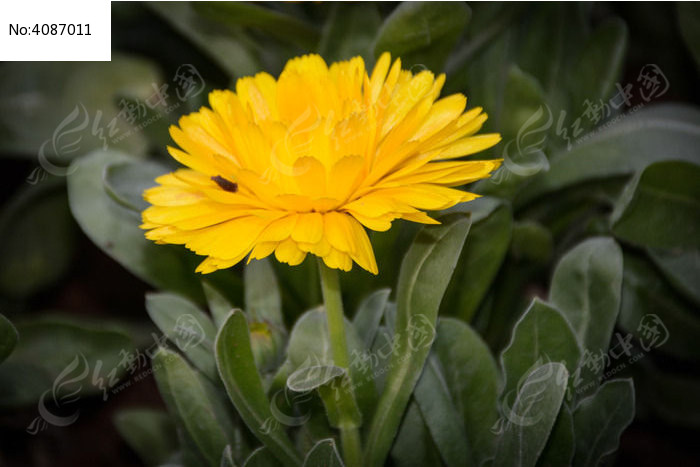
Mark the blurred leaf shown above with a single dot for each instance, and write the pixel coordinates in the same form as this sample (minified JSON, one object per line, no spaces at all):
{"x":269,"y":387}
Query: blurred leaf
{"x":489,"y":20}
{"x":150,"y":433}
{"x":324,"y":454}
{"x":425,"y":273}
{"x":300,"y":286}
{"x":261,"y":457}
{"x":689,"y":21}
{"x":125,"y":182}
{"x":187,"y":327}
{"x":540,"y":336}
{"x":586,"y":288}
{"x":220,"y":43}
{"x":309,"y":378}
{"x":673,"y":397}
{"x":219,"y":306}
{"x":483,"y":255}
{"x":441,"y":416}
{"x":594,"y":76}
{"x":264,"y":311}
{"x":646,"y":295}
{"x":56,"y":353}
{"x":262,"y":295}
{"x":115,"y":228}
{"x":599,"y":420}
{"x":413,"y":445}
{"x":559,"y":28}
{"x":484,"y":79}
{"x":8,"y":337}
{"x":309,"y":345}
{"x":37,"y":239}
{"x":369,"y":314}
{"x":350,"y":31}
{"x":422,"y":33}
{"x":69,"y":109}
{"x":532,"y":242}
{"x":681,"y":269}
{"x":227,"y":457}
{"x":275,"y":23}
{"x":234,"y":358}
{"x":660,"y":207}
{"x":201,"y":416}
{"x":522,"y":98}
{"x":472,"y":377}
{"x":560,"y":445}
{"x":532,"y":416}
{"x":656,"y":133}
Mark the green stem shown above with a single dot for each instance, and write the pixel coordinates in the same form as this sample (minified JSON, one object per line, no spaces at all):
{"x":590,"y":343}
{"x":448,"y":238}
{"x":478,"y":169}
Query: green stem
{"x":330,"y":286}
{"x":352,"y":448}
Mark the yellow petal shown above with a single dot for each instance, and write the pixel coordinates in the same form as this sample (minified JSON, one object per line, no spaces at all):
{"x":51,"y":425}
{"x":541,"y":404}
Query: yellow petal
{"x":309,"y":228}
{"x":288,"y":252}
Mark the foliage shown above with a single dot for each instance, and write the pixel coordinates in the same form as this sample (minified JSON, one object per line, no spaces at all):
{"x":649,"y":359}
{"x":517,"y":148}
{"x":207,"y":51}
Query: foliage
{"x":489,"y":339}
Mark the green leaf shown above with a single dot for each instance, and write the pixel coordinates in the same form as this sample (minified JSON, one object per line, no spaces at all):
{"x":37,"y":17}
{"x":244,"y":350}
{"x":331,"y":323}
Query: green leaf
{"x":312,"y":377}
{"x":472,"y":376}
{"x":115,"y":228}
{"x":586,"y":288}
{"x":647,"y":300}
{"x":261,"y":457}
{"x":439,"y":411}
{"x":218,"y":42}
{"x":594,"y":76}
{"x":660,"y":207}
{"x":655,"y":133}
{"x":234,"y":358}
{"x":425,"y":273}
{"x":309,"y":346}
{"x":37,"y":239}
{"x":413,"y":445}
{"x":532,"y":416}
{"x":560,"y":445}
{"x":262,"y":296}
{"x":219,"y":306}
{"x":483,"y":255}
{"x":264,"y":310}
{"x":73,"y":112}
{"x":540,"y":336}
{"x":192,"y":397}
{"x":187,"y":327}
{"x":8,"y":337}
{"x":523,"y":97}
{"x":369,"y":314}
{"x":350,"y":31}
{"x":57,"y":353}
{"x":125,"y":182}
{"x":422,"y":33}
{"x":689,"y":21}
{"x":150,"y":433}
{"x":681,"y":269}
{"x":599,"y":420}
{"x":275,"y":23}
{"x":324,"y":454}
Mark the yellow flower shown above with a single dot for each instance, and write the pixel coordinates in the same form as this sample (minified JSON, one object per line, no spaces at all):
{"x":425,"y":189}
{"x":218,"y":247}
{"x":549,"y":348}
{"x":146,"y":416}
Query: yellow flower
{"x":305,"y":163}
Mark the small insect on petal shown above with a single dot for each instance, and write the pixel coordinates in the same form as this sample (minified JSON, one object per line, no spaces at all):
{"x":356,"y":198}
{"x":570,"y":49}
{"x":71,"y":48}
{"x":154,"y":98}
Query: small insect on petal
{"x":225,"y":184}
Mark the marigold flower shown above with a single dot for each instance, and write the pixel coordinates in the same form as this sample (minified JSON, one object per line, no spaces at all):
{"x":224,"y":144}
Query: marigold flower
{"x":305,"y":163}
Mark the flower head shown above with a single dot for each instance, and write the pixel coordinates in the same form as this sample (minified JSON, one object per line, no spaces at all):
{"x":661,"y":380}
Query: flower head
{"x":303,"y":164}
